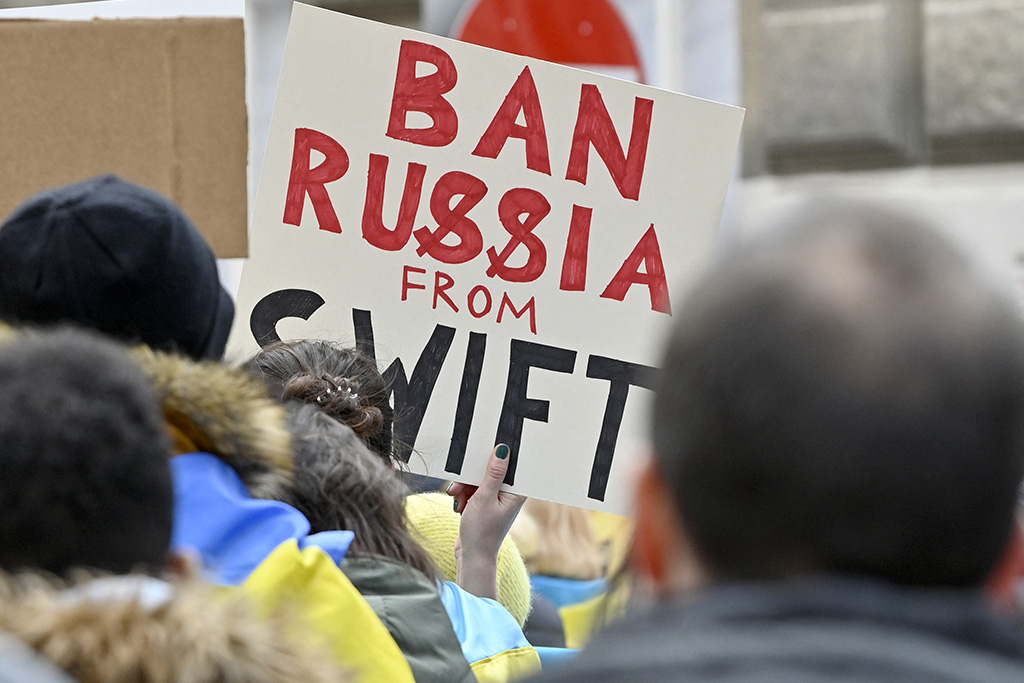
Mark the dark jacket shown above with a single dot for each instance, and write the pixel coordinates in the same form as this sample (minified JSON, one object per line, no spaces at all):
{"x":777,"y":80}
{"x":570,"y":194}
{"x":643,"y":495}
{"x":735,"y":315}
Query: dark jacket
{"x":544,"y":627}
{"x":803,"y":630}
{"x":410,"y":606}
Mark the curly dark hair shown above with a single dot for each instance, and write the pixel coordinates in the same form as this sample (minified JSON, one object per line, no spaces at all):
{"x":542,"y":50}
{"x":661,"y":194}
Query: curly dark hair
{"x":341,"y":381}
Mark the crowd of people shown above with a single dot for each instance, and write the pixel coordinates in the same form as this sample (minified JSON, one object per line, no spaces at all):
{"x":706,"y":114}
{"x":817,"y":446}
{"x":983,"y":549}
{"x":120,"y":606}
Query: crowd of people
{"x":832,"y":489}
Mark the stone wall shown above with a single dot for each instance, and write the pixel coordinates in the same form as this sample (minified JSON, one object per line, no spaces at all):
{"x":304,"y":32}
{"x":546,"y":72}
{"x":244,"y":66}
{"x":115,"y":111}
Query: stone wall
{"x":853,"y":84}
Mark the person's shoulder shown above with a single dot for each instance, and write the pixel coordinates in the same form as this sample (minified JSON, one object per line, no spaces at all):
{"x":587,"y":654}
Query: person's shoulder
{"x":380,"y":575}
{"x":800,"y":630}
{"x":583,"y":668}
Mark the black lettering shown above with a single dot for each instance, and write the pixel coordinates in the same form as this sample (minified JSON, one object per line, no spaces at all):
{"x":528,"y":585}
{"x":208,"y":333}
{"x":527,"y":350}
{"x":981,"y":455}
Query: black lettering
{"x":622,"y":376}
{"x":410,"y":395}
{"x":467,"y":402}
{"x":275,"y":307}
{"x":363,"y":326}
{"x":517,"y":406}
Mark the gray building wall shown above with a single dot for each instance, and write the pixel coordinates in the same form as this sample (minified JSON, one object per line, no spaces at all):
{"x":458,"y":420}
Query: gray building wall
{"x":914,"y":101}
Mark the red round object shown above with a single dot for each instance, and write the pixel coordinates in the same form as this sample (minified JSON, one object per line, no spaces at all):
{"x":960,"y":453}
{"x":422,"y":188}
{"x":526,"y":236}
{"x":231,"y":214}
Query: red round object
{"x":577,"y":33}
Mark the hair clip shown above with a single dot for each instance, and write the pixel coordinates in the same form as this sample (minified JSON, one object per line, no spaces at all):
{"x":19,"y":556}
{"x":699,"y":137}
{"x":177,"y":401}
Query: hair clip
{"x":336,"y":386}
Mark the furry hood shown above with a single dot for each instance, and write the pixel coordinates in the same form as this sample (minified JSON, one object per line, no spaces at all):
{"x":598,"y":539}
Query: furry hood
{"x":217,"y":409}
{"x":124,"y":630}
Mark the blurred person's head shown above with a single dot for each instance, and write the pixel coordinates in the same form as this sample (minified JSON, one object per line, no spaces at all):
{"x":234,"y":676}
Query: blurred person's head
{"x":341,"y":381}
{"x":843,"y":394}
{"x":116,"y":257}
{"x":340,"y":485}
{"x":84,"y":474}
{"x":561,"y":540}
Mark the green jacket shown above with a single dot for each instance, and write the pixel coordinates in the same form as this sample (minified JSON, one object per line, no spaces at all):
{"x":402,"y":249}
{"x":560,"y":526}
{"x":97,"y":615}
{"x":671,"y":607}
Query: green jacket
{"x":409,"y":605}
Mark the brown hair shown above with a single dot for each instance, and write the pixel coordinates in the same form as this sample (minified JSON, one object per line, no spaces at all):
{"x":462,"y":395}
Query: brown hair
{"x":339,"y":484}
{"x":341,"y":381}
{"x":567,"y":543}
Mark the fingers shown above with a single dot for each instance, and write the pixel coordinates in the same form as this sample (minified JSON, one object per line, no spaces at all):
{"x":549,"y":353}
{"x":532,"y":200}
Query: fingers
{"x":461,"y":493}
{"x":497,"y":467}
{"x":494,"y":477}
{"x":457,"y":489}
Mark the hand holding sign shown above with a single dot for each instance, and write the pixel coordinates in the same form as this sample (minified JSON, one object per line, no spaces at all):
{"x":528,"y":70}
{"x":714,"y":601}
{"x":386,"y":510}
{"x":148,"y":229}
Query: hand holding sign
{"x":487,"y":515}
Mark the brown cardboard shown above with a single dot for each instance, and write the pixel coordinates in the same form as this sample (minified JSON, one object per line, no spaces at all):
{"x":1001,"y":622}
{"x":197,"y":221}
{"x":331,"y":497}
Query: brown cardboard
{"x":160,"y":102}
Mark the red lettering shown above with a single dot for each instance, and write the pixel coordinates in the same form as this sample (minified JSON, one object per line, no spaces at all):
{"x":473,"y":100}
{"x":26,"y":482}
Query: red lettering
{"x":594,"y":127}
{"x":530,"y":306}
{"x":374,"y":230}
{"x":523,"y":98}
{"x":449,"y":220}
{"x":423,"y":94}
{"x":406,"y":285}
{"x":574,"y":265}
{"x":312,"y":181}
{"x":647,"y":252}
{"x":441,"y":289}
{"x":513,"y":205}
{"x":471,"y":300}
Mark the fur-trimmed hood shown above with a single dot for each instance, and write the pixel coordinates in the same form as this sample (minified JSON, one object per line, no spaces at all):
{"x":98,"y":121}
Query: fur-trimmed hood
{"x":133,"y":628}
{"x":217,"y":409}
{"x":7,"y":332}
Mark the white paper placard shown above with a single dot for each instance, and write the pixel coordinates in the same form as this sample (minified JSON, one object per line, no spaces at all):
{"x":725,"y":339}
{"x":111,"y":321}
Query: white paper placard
{"x":503,"y":232}
{"x":129,"y":9}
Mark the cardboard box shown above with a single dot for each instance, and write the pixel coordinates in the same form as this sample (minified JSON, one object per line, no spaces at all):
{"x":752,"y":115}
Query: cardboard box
{"x":160,"y":102}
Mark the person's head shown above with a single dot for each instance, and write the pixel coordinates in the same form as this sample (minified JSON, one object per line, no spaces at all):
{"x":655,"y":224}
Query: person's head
{"x":84,"y":475}
{"x":116,"y":257}
{"x":844,"y":394}
{"x":339,"y":484}
{"x":341,"y":381}
{"x":562,"y":540}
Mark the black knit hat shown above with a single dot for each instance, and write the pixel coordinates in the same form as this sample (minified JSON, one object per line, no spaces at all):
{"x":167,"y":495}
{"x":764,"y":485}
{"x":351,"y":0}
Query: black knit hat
{"x":107,"y":254}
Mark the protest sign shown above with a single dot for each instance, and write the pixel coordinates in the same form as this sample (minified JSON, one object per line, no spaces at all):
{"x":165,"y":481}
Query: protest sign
{"x":502,"y":233}
{"x":131,"y":96}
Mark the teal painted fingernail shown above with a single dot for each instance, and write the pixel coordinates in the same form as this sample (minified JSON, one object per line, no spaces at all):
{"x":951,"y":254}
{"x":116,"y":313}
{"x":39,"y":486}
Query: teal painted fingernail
{"x":502,"y":452}
{"x":456,"y":506}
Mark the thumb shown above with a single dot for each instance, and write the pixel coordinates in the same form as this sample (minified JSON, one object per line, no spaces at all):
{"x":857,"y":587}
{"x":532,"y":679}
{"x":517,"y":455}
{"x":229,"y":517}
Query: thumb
{"x":497,"y":467}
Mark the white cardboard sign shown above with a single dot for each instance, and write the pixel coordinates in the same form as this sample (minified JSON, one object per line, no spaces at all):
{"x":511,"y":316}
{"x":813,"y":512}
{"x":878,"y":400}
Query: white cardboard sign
{"x":129,"y":9}
{"x":503,"y":233}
